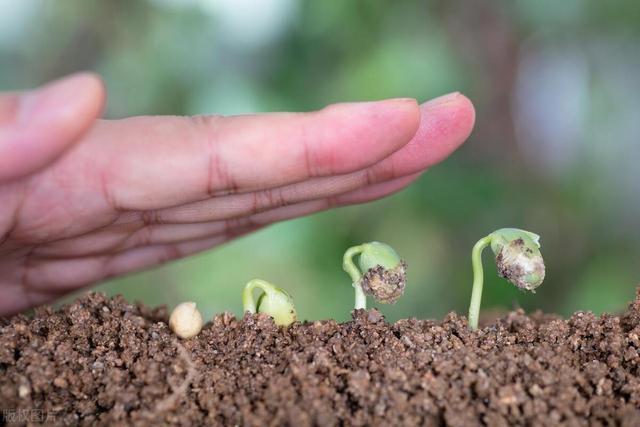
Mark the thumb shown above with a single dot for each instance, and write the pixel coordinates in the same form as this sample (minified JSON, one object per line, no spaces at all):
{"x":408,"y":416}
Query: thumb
{"x":38,"y":126}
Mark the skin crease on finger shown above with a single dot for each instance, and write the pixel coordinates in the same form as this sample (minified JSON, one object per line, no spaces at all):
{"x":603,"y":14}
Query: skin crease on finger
{"x":442,"y":128}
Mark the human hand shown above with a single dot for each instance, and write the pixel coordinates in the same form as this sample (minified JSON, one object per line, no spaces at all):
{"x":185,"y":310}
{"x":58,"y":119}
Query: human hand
{"x":82,"y":200}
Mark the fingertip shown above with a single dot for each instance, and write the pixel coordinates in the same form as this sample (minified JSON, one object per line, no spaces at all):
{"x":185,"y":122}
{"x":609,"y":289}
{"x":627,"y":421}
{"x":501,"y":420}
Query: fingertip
{"x":405,"y":115}
{"x":446,"y":123}
{"x":464,"y":116}
{"x":85,"y":95}
{"x":47,"y":121}
{"x":70,"y":99}
{"x":96,"y":91}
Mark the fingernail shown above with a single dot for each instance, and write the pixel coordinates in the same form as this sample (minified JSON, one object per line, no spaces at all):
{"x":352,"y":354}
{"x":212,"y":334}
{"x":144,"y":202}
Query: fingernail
{"x":442,"y":100}
{"x":51,"y":100}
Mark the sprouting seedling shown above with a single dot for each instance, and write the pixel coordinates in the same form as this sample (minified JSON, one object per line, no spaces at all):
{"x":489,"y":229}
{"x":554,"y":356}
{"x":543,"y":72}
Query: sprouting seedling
{"x":274,"y":301}
{"x":382,"y":273}
{"x":518,"y":260}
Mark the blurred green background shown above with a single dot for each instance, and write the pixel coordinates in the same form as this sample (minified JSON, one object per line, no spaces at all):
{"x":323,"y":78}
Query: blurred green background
{"x":555,"y":148}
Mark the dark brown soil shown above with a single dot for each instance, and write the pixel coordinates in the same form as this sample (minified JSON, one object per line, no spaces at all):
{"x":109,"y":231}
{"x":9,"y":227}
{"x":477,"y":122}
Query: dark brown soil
{"x":104,"y":361}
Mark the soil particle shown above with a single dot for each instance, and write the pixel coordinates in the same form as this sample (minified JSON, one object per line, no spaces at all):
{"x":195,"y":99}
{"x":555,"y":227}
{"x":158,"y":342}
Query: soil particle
{"x":105,"y":361}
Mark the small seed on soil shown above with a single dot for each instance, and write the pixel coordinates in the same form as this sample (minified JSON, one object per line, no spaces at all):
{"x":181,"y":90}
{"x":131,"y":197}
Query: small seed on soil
{"x":186,"y":320}
{"x":24,"y":391}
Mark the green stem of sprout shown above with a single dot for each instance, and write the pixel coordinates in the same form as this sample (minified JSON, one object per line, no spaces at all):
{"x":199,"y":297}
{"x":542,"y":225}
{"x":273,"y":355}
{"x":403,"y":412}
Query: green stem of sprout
{"x":247,"y":294}
{"x":478,"y":278}
{"x":349,"y":266}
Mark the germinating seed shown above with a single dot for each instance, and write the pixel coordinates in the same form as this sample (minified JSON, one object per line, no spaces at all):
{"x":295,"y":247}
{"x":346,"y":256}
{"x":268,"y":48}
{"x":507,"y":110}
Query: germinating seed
{"x":274,"y":301}
{"x":382,"y":273}
{"x":185,"y":320}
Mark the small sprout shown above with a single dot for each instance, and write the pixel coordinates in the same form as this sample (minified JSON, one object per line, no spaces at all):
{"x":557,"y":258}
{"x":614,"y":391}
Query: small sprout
{"x":185,"y":320}
{"x":518,"y":260}
{"x":274,"y":301}
{"x":382,"y":273}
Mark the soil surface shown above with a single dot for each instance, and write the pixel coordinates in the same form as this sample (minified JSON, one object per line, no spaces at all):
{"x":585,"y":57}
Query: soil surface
{"x":105,"y":361}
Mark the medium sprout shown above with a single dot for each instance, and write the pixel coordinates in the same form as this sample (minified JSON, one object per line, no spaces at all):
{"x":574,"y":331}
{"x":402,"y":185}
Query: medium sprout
{"x":382,"y":273}
{"x":518,"y":260}
{"x":273,"y":301}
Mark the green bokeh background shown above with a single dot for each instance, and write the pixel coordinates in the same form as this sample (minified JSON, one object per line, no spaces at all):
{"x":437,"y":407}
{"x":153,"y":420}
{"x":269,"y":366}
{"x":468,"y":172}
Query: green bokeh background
{"x":554,"y":151}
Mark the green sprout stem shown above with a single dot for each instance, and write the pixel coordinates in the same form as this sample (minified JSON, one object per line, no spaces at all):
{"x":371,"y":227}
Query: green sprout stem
{"x":349,"y":266}
{"x":476,"y":292}
{"x":247,"y":294}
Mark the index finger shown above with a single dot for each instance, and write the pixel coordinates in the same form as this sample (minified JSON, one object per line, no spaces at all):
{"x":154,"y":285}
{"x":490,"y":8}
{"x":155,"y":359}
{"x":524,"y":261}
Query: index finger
{"x":156,"y":162}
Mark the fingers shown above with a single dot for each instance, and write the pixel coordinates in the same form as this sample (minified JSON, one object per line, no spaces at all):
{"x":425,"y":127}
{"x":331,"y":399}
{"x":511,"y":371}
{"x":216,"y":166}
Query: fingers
{"x":120,"y":238}
{"x":15,"y":298}
{"x":66,"y":275}
{"x":446,"y":123}
{"x":157,"y":162}
{"x":150,"y":176}
{"x":46,"y":279}
{"x":374,"y":192}
{"x":238,"y":205}
{"x":38,"y":126}
{"x":141,"y":258}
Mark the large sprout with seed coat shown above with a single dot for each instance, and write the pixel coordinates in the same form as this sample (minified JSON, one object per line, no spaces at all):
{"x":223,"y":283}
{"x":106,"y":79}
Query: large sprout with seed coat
{"x":518,"y":260}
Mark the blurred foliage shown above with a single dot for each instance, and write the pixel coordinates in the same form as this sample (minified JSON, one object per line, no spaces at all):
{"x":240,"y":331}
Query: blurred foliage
{"x":554,"y":150}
